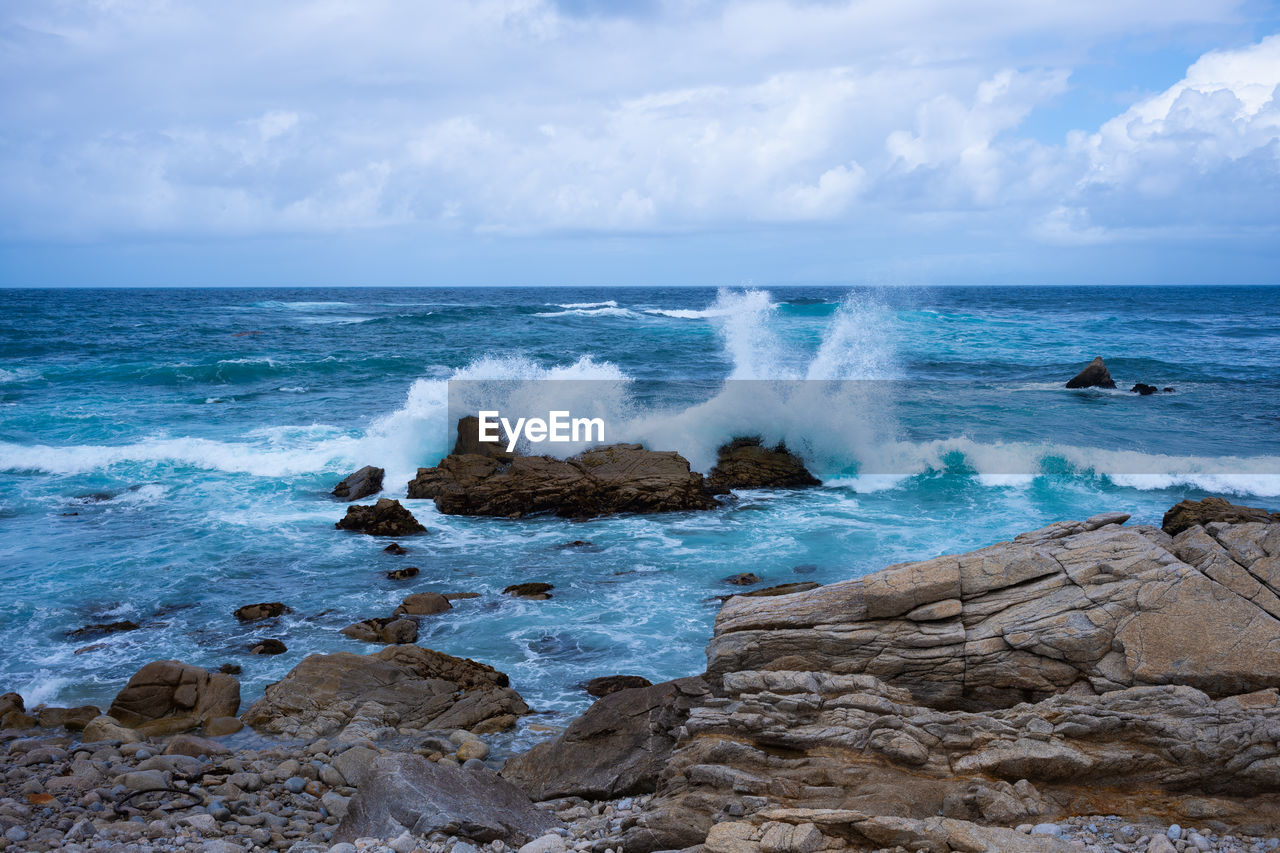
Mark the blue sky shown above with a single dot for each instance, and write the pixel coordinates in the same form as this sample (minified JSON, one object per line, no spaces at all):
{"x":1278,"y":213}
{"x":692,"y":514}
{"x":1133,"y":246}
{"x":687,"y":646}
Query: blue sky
{"x":389,"y":142}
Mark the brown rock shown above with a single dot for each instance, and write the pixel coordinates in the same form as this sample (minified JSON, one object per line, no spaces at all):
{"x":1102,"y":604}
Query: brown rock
{"x":367,"y":481}
{"x":103,"y":628}
{"x":268,"y":646}
{"x":1095,"y":375}
{"x":395,"y":630}
{"x":219,"y":726}
{"x":535,"y":591}
{"x":403,"y":574}
{"x":258,"y":612}
{"x":1188,"y":514}
{"x":460,"y":596}
{"x":74,"y":719}
{"x":606,"y":684}
{"x":403,"y":686}
{"x":195,"y":747}
{"x":423,"y":604}
{"x":385,"y":518}
{"x":11,"y":702}
{"x":743,"y":579}
{"x":397,"y":549}
{"x":468,"y":441}
{"x":171,"y":689}
{"x":744,"y":464}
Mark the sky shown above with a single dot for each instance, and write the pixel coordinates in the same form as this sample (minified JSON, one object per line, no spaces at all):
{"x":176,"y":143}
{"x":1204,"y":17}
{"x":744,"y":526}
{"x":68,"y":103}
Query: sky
{"x":638,"y":142}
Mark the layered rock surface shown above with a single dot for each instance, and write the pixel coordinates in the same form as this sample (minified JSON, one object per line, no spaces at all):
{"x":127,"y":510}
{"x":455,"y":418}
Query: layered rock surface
{"x":745,"y":463}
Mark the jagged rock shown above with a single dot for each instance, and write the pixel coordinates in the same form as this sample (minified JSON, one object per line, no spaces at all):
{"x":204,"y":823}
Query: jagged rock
{"x":743,"y":579}
{"x":536,"y":590}
{"x":1188,"y":514}
{"x":385,"y":518}
{"x":1144,"y":389}
{"x":606,"y":684}
{"x":781,"y":589}
{"x":395,"y":630}
{"x":468,"y":441}
{"x":258,"y":612}
{"x":423,"y":604}
{"x":103,"y":629}
{"x":402,"y":793}
{"x":168,"y":693}
{"x":405,"y":687}
{"x":601,"y":481}
{"x":367,"y":481}
{"x":618,"y":747}
{"x":396,"y":548}
{"x":268,"y":646}
{"x":1095,"y":375}
{"x":745,"y":464}
{"x":402,"y":574}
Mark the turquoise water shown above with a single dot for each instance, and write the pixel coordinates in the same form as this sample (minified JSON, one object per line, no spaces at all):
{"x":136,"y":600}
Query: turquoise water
{"x":166,"y":456}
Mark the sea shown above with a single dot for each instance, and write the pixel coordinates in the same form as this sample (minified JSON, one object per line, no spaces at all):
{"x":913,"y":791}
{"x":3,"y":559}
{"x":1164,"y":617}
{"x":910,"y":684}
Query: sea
{"x":166,"y":456}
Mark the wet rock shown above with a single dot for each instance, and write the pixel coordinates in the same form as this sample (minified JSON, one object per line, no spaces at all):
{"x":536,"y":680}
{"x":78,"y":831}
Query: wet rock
{"x":408,"y":793}
{"x":230,"y":669}
{"x":1144,"y":389}
{"x":423,"y":604}
{"x":468,"y":442}
{"x":258,"y":612}
{"x":577,"y":543}
{"x":11,"y":702}
{"x":780,"y":589}
{"x":74,"y":719}
{"x":387,"y":631}
{"x":606,"y":684}
{"x":103,"y":629}
{"x":219,"y":726}
{"x":268,"y":646}
{"x":460,"y":596}
{"x":1095,"y":375}
{"x":1168,"y":390}
{"x":1188,"y":514}
{"x":177,"y":692}
{"x":385,"y":518}
{"x":743,"y":579}
{"x":367,"y":481}
{"x":535,"y":591}
{"x":396,"y":549}
{"x":402,"y":574}
{"x":745,"y":464}
{"x":619,"y":746}
{"x":407,"y":686}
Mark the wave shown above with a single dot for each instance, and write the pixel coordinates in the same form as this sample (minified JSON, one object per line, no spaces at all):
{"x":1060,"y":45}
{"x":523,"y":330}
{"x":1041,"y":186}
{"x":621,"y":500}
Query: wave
{"x":606,"y":304}
{"x":17,"y":375}
{"x":299,"y":306}
{"x":607,"y":311}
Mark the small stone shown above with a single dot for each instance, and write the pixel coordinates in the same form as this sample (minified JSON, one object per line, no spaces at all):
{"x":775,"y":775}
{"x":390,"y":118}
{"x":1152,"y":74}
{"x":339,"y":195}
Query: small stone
{"x":549,"y":843}
{"x":1174,"y":832}
{"x":16,"y":834}
{"x":469,"y":749}
{"x":295,"y":784}
{"x":1051,"y":829}
{"x":402,"y":843}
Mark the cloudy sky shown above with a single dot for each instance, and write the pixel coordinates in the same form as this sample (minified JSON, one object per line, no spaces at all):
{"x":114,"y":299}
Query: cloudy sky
{"x":259,"y":142}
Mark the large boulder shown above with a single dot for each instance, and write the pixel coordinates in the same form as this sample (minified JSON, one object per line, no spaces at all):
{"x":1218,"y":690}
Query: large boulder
{"x":407,"y":688}
{"x":745,"y":463}
{"x":618,"y":747}
{"x":1094,"y":375}
{"x":400,"y":793}
{"x":601,"y":481}
{"x":169,"y":696}
{"x":367,"y":481}
{"x":1188,"y":514}
{"x":387,"y":517}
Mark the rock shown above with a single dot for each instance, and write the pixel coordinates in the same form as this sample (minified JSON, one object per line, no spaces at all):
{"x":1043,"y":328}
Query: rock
{"x":618,"y":747}
{"x":534,"y":591}
{"x":606,"y":684}
{"x":385,"y":518}
{"x":11,"y":702}
{"x":1168,"y":390}
{"x":17,"y":720}
{"x":781,"y":589}
{"x":744,"y":579}
{"x":391,"y":631}
{"x":473,"y":748}
{"x":74,"y":719}
{"x":402,"y":574}
{"x":468,"y":441}
{"x":408,"y":793}
{"x":107,"y":728}
{"x":1095,"y":375}
{"x":173,"y":691}
{"x":143,"y":780}
{"x":1144,"y":389}
{"x":601,"y":481}
{"x":258,"y":612}
{"x":230,"y":669}
{"x":396,"y":548}
{"x":1047,"y":829}
{"x":408,"y":687}
{"x":423,"y":604}
{"x":268,"y":646}
{"x":367,"y":481}
{"x":745,"y":464}
{"x":102,"y":629}
{"x":1188,"y":514}
{"x":460,"y":596}
{"x":549,"y":843}
{"x":576,"y":543}
{"x":219,"y":726}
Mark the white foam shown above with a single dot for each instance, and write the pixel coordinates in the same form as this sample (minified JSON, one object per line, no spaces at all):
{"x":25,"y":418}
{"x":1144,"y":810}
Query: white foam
{"x":18,"y":374}
{"x":607,"y":304}
{"x":588,"y":312}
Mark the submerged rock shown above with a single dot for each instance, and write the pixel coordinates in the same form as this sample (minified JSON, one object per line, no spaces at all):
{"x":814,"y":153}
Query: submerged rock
{"x":535,"y":591}
{"x":402,"y":574}
{"x":367,"y":481}
{"x":268,"y":646}
{"x":385,"y":518}
{"x":405,"y":687}
{"x":743,"y":579}
{"x":258,"y":612}
{"x":1144,"y":389}
{"x":102,"y":629}
{"x":407,"y":793}
{"x":423,"y":604}
{"x":745,"y":464}
{"x":392,"y":631}
{"x":396,"y":548}
{"x":169,"y":695}
{"x":1095,"y":375}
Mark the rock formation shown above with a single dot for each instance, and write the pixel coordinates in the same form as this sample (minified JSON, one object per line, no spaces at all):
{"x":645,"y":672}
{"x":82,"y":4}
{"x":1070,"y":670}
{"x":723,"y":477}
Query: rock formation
{"x":385,"y":518}
{"x":393,"y":630}
{"x":258,"y":612}
{"x":404,"y":688}
{"x":745,"y":464}
{"x":1095,"y":375}
{"x":367,"y":481}
{"x":1188,"y":514}
{"x":171,"y":696}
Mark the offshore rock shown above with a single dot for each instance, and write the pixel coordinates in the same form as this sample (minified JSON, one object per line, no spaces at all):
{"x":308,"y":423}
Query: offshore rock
{"x":745,"y":464}
{"x":400,"y":793}
{"x":602,"y":481}
{"x":171,"y":696}
{"x":392,"y":631}
{"x":617,"y":747}
{"x":387,"y":517}
{"x":367,"y":481}
{"x":606,"y":684}
{"x":399,"y":687}
{"x":1188,"y":514}
{"x":1095,"y":375}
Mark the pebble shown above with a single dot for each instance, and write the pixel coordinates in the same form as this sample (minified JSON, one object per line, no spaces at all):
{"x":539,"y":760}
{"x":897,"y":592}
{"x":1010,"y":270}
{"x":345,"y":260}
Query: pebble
{"x":295,"y":784}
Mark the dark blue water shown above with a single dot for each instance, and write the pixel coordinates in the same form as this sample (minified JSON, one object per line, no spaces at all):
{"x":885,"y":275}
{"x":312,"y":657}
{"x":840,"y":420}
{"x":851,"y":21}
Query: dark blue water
{"x":165,"y":456}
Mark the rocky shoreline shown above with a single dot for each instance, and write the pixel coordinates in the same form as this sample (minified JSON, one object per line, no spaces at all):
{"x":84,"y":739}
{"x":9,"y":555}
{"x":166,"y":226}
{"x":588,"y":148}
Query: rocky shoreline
{"x":1087,"y":686}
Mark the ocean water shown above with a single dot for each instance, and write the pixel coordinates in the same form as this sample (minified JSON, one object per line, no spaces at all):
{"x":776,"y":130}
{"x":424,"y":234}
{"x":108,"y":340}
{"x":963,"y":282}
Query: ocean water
{"x":166,"y":456}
